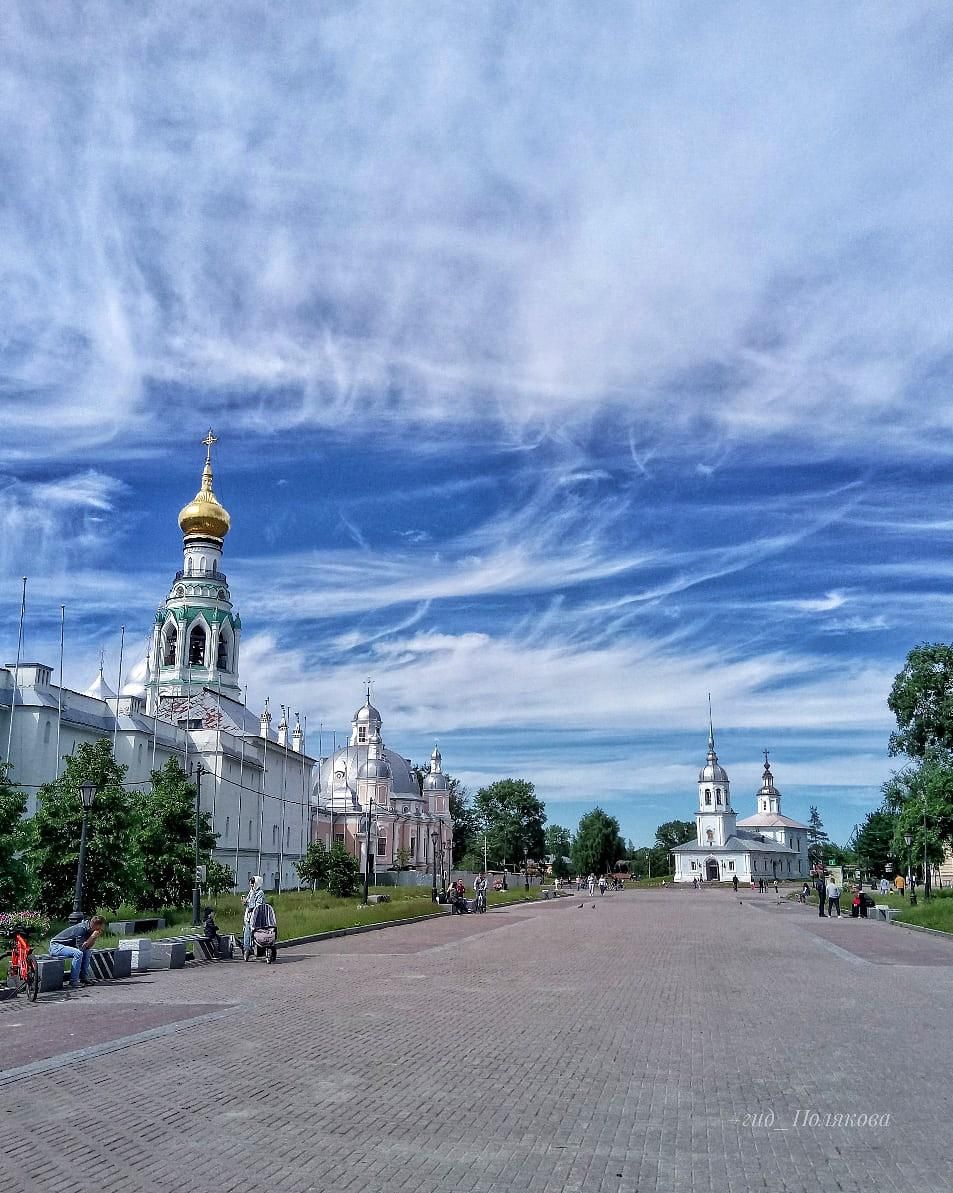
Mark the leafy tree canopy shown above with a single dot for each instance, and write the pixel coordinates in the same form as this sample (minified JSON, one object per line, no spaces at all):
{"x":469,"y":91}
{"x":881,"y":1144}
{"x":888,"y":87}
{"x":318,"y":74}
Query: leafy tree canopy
{"x":559,"y":848}
{"x":165,"y":839}
{"x":920,"y":797}
{"x":344,"y":871}
{"x":675,"y":832}
{"x":598,"y":843}
{"x":467,"y":826}
{"x":874,"y":841}
{"x":313,"y":867}
{"x":922,"y":701}
{"x":14,"y":876}
{"x":54,"y":834}
{"x":514,"y":818}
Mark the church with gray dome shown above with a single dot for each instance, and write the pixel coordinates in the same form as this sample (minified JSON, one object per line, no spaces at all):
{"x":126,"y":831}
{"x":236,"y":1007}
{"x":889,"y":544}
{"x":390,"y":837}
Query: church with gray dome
{"x":765,"y":846}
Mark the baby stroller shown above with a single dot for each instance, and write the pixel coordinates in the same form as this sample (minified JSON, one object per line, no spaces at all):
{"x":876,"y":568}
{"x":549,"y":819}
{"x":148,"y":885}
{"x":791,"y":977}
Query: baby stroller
{"x":264,"y":934}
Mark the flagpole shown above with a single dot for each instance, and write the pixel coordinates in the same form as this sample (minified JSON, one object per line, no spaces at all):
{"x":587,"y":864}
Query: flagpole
{"x":59,"y":701}
{"x":122,"y":639}
{"x":16,"y":671}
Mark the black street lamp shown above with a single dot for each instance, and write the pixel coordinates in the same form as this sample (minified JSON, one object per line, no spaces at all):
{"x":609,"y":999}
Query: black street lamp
{"x":526,"y":870}
{"x":434,"y":838}
{"x":367,"y":849}
{"x":913,"y":894}
{"x":87,"y":793}
{"x":197,"y":889}
{"x":926,"y":865}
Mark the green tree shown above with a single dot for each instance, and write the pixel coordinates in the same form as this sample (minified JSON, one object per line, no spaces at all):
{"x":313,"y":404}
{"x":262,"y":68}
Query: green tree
{"x":649,"y":862}
{"x":344,"y":871}
{"x":920,"y":797}
{"x":467,"y":826}
{"x":14,"y":876}
{"x":513,"y":817}
{"x":402,"y":858}
{"x":817,"y":838}
{"x":559,"y":848}
{"x":165,"y":839}
{"x":921,"y":699}
{"x":219,"y":879}
{"x":598,"y":844}
{"x":673,"y":833}
{"x":54,"y":834}
{"x":313,"y":867}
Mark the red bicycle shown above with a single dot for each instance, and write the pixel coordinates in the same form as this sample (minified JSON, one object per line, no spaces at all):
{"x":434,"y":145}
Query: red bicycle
{"x":23,"y":967}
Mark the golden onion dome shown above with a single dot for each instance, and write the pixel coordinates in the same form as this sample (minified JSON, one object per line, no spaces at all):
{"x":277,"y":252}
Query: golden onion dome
{"x":204,"y":514}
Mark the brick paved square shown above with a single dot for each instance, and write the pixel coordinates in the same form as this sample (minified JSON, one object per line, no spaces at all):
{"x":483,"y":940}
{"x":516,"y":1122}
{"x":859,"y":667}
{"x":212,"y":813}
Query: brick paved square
{"x":676,"y":1041}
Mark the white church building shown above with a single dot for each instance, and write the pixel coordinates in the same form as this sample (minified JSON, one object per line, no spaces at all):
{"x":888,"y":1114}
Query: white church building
{"x":766,"y":845}
{"x":265,"y":795}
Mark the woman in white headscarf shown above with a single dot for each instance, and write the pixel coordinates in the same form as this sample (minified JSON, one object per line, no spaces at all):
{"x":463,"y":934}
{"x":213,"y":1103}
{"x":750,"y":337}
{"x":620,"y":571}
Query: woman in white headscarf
{"x":253,"y":900}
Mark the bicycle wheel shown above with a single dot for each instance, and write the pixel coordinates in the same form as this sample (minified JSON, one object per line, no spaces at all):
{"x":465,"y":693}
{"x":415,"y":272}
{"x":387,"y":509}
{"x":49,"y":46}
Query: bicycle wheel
{"x":32,"y":979}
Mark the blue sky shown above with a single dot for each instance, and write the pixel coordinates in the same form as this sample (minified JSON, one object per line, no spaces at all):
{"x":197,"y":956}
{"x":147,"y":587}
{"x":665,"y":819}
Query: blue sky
{"x":564,"y":370}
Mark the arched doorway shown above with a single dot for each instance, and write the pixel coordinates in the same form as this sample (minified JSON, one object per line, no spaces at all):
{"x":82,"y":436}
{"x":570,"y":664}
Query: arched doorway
{"x":711,"y":870}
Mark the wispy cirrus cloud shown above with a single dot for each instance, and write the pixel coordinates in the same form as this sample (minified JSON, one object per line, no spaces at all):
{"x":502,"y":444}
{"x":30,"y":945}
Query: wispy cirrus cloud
{"x":706,"y":224}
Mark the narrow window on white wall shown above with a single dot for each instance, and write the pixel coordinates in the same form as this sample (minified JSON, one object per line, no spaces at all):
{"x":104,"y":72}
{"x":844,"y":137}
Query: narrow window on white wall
{"x":46,"y":734}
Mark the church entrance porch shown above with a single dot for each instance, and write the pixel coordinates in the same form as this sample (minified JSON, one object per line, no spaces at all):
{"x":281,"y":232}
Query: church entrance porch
{"x":711,"y":870}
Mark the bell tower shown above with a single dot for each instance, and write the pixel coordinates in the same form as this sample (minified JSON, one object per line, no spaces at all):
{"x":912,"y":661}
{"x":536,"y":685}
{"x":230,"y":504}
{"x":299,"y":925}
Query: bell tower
{"x":715,"y":819}
{"x":195,"y":638}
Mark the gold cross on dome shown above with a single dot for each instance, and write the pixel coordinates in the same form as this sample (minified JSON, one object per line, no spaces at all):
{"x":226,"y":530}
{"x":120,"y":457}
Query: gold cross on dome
{"x":209,"y":439}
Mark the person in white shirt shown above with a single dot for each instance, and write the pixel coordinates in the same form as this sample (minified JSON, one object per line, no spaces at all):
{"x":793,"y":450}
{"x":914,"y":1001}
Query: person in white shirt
{"x":833,"y":898}
{"x":591,"y":882}
{"x":884,"y":886}
{"x":479,"y":887}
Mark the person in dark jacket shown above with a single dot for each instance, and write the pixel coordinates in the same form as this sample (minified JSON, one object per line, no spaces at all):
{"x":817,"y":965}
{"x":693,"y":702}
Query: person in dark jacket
{"x":821,"y":889}
{"x":211,"y":928}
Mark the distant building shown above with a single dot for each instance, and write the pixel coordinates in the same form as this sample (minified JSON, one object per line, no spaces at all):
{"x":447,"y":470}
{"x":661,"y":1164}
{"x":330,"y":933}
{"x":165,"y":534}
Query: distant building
{"x":767,"y":845}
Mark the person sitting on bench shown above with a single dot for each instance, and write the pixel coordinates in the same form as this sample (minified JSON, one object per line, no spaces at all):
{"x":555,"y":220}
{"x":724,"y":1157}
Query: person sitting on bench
{"x":75,"y":942}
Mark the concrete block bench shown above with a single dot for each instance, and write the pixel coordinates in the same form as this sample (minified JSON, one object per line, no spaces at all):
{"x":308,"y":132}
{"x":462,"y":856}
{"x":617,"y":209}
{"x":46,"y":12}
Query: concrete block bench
{"x":168,"y":954}
{"x":104,"y":965}
{"x":880,"y":911}
{"x":134,"y":927}
{"x":139,"y":951}
{"x":198,"y":949}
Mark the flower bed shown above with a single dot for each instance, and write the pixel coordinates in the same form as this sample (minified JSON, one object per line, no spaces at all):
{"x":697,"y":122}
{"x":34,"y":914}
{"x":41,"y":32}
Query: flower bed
{"x":27,"y":923}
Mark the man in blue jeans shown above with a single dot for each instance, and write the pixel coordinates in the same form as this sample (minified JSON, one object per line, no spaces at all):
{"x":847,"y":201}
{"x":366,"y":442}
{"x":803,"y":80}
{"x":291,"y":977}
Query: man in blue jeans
{"x":75,"y":942}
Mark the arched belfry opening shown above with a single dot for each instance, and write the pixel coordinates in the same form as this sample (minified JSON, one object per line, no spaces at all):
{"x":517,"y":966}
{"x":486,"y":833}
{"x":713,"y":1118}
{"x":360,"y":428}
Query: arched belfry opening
{"x":170,"y":645}
{"x":197,"y":646}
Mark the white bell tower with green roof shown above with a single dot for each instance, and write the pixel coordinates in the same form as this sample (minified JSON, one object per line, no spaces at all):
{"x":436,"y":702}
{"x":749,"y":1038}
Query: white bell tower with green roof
{"x":196,"y":636}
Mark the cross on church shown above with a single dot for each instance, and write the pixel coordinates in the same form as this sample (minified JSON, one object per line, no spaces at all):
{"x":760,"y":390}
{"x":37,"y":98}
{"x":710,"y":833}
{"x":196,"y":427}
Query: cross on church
{"x":765,"y":752}
{"x":209,"y":440}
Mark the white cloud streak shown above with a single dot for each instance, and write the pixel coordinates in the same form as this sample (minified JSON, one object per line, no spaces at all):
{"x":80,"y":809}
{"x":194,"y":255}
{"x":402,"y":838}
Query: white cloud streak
{"x":728,"y":227}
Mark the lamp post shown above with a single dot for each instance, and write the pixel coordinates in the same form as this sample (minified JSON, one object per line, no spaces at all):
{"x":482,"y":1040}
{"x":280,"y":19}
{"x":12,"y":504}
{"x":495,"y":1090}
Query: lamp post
{"x":526,"y":869}
{"x":913,"y":894}
{"x":926,"y":865}
{"x":196,"y":889}
{"x":367,"y":848}
{"x":434,"y":839}
{"x":87,"y":793}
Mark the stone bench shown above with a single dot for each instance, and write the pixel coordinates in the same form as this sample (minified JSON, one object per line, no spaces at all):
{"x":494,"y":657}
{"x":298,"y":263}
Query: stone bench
{"x":168,"y":954}
{"x":104,"y":966}
{"x":134,"y":927}
{"x":880,"y":911}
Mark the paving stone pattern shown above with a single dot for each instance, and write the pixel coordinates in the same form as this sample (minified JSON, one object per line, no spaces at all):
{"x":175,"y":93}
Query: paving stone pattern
{"x":627,"y":1046}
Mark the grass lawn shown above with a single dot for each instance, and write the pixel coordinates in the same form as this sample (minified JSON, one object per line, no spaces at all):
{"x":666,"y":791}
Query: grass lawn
{"x":299,"y":913}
